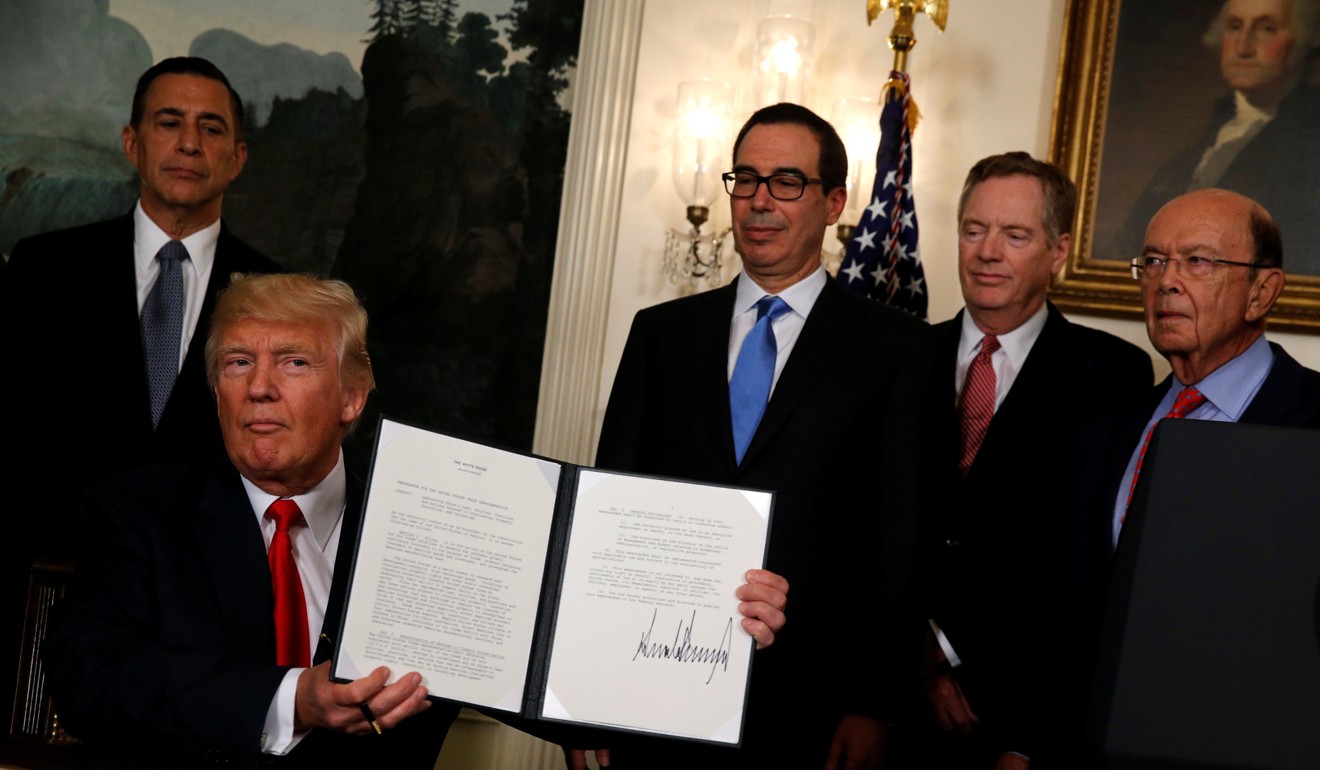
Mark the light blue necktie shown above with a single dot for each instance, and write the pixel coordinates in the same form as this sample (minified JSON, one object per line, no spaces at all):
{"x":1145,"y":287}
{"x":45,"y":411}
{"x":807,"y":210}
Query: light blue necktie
{"x":749,"y":388}
{"x":162,"y":327}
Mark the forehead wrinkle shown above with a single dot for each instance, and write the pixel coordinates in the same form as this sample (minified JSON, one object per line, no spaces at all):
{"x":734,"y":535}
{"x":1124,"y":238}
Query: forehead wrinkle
{"x":1198,"y":246}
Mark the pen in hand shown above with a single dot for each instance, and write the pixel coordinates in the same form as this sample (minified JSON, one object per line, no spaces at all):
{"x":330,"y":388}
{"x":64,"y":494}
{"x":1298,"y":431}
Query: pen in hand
{"x":371,"y":718}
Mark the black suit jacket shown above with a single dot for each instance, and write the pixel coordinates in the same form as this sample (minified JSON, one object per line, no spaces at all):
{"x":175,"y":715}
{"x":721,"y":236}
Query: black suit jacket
{"x":81,"y":409}
{"x":166,"y":640}
{"x":840,"y":443}
{"x":993,"y":553}
{"x":1290,"y":396}
{"x":77,"y":404}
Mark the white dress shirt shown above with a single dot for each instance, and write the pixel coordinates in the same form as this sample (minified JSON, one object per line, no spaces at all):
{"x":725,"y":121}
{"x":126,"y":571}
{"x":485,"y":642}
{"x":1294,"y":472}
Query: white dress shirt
{"x":147,"y":242}
{"x":1014,"y":347}
{"x":800,"y":298}
{"x":315,"y":547}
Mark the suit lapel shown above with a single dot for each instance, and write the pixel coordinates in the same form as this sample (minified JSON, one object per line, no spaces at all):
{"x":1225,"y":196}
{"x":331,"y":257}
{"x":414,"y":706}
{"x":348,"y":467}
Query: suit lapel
{"x":1031,"y":384}
{"x":709,"y":335}
{"x":120,"y":282}
{"x":947,"y":337}
{"x":1280,"y":400}
{"x":234,"y":552}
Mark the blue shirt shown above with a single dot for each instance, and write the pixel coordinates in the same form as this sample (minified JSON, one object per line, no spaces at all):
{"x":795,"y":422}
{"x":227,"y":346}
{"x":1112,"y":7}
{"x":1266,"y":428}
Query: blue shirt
{"x":1227,"y":390}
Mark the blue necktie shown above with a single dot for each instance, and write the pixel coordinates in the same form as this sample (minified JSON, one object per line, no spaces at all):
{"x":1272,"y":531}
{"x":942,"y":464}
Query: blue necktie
{"x":162,"y":327}
{"x":749,"y":388}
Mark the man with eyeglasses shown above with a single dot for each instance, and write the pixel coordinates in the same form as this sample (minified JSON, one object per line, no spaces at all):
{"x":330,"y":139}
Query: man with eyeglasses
{"x":1010,"y":368}
{"x":1210,"y":271}
{"x":783,"y":380}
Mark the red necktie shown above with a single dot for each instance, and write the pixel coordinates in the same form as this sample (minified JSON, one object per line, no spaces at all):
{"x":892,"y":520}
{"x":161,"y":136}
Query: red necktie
{"x":292,"y":646}
{"x":1188,"y":400}
{"x":977,"y":406}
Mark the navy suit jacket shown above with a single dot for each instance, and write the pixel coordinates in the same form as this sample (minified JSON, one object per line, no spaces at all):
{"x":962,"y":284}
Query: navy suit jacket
{"x":840,"y":444}
{"x":993,"y":553}
{"x":1290,"y":397}
{"x":166,"y":641}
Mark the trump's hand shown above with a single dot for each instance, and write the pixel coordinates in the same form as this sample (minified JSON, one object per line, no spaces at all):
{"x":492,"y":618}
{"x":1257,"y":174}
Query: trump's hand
{"x":320,"y":702}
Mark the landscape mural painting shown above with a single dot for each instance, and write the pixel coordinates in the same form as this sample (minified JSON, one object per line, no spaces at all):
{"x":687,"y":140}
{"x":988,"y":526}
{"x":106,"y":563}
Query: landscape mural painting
{"x":414,"y":148}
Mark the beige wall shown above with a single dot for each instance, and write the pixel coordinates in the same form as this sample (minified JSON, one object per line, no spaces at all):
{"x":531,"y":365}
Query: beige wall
{"x":985,"y":85}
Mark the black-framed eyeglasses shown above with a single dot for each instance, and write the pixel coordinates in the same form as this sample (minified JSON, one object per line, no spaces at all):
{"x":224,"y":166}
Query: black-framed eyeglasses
{"x":1151,"y":267}
{"x":782,"y":187}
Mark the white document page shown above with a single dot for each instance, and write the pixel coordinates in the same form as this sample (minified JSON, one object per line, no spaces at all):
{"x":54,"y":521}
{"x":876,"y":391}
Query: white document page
{"x":448,"y":574}
{"x":648,"y":635}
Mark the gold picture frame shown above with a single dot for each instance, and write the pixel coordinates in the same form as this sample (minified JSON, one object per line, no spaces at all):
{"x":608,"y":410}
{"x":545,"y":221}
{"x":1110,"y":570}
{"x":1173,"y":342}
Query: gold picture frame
{"x":1088,"y":282}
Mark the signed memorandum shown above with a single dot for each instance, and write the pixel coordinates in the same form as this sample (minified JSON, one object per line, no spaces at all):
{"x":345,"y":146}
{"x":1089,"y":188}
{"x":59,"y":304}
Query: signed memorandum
{"x":557,"y":592}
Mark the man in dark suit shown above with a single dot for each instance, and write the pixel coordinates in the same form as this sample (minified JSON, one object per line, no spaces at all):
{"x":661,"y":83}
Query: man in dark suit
{"x":87,"y":408}
{"x":838,"y":441}
{"x":168,"y":644}
{"x":1210,"y":272}
{"x":180,"y":642}
{"x":1019,"y":379}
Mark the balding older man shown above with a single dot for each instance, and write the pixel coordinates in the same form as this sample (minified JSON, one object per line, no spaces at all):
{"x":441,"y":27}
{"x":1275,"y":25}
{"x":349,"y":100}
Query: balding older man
{"x":1210,"y":272}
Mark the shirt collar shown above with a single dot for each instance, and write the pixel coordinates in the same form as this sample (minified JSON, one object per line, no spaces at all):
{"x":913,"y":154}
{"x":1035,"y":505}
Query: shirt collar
{"x":800,"y":297}
{"x":1231,"y":387}
{"x":1015,"y":344}
{"x":150,"y":238}
{"x":322,"y":505}
{"x":1246,"y":112}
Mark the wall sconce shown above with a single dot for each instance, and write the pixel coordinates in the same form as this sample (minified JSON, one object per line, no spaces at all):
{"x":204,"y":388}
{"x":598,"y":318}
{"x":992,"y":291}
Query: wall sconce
{"x":783,"y":60}
{"x":858,"y":122}
{"x":701,"y":138}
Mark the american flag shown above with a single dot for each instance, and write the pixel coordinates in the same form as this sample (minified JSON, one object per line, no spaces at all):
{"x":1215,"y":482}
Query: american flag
{"x":882,"y":261}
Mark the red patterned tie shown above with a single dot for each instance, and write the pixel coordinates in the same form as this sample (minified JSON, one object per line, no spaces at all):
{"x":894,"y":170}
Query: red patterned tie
{"x":1188,"y":400}
{"x":976,"y":407}
{"x":292,"y":646}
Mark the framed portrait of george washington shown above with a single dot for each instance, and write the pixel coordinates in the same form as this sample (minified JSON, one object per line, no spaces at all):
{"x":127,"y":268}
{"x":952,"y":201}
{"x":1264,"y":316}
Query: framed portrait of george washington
{"x":1158,"y":98}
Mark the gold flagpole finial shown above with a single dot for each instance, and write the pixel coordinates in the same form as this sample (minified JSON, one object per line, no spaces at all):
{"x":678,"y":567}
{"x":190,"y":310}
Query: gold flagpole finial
{"x":901,"y":39}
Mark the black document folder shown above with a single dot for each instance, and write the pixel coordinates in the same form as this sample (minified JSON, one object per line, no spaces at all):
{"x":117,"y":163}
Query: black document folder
{"x":553,"y":591}
{"x":1211,"y":652}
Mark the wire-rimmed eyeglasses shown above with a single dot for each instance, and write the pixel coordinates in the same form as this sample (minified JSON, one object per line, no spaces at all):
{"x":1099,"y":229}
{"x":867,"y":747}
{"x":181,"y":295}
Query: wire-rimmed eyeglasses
{"x":1151,"y":267}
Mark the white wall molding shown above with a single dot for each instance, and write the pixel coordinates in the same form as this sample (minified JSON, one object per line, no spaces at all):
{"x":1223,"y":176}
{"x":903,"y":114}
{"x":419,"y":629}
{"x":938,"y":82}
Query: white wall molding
{"x":588,"y":230}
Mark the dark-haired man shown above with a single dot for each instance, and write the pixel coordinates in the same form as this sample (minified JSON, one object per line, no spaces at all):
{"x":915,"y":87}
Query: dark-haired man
{"x":1019,"y":379}
{"x":116,"y":372}
{"x":782,"y":380}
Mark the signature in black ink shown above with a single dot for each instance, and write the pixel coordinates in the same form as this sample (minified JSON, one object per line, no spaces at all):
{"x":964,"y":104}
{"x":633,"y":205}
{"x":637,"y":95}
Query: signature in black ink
{"x":682,"y":650}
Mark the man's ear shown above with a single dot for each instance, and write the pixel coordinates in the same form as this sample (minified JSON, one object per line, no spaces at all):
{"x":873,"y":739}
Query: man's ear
{"x":355,"y":400}
{"x":1265,"y":291}
{"x":836,"y":199}
{"x":1060,"y":253}
{"x":128,"y":136}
